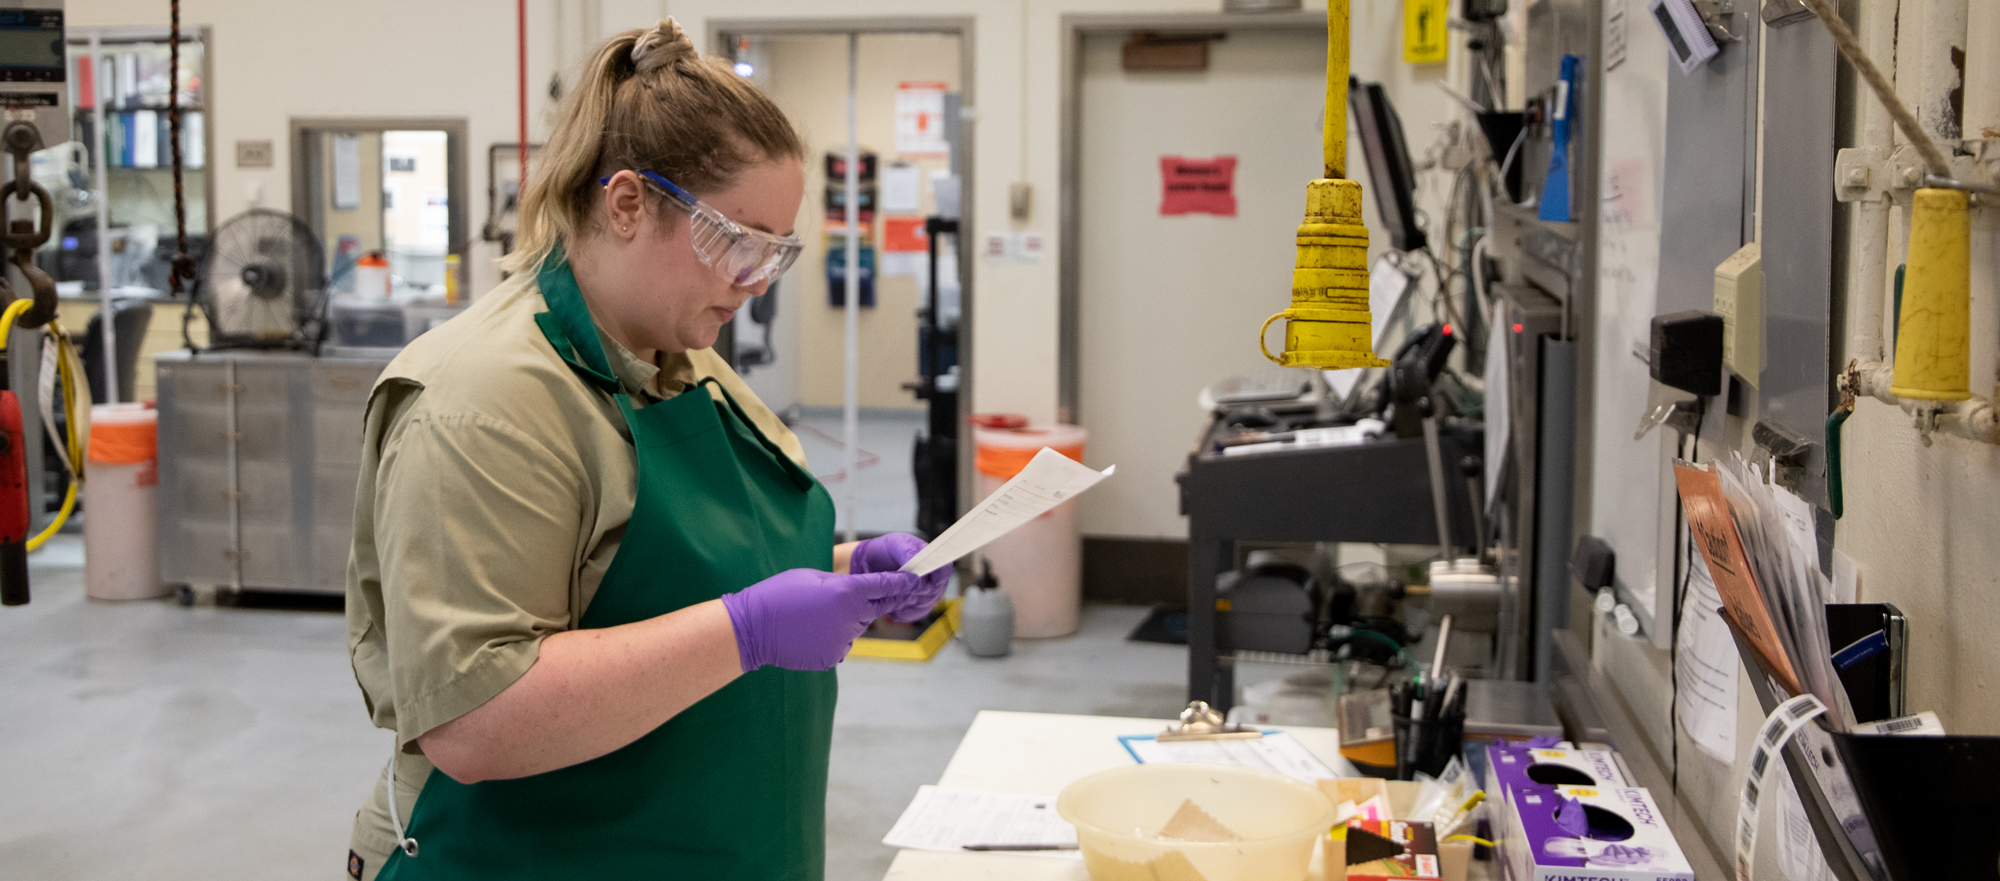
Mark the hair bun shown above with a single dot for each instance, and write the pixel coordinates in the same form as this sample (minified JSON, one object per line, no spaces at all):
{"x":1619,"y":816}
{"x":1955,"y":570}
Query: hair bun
{"x":665,"y":45}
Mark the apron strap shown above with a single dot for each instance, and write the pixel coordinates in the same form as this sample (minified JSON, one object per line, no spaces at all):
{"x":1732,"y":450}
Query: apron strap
{"x":569,"y":328}
{"x":568,"y":325}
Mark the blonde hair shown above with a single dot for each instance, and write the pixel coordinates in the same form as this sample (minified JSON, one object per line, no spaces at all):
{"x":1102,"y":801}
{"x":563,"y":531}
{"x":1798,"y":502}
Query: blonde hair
{"x":647,"y":100}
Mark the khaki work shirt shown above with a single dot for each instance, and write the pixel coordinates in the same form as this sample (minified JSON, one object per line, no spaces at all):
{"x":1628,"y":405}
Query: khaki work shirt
{"x":494,"y":491}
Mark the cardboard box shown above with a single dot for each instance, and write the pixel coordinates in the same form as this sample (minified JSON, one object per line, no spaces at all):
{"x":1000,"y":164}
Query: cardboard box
{"x":1418,"y":862}
{"x":1516,"y":765}
{"x":1509,"y":766}
{"x":1626,"y":840}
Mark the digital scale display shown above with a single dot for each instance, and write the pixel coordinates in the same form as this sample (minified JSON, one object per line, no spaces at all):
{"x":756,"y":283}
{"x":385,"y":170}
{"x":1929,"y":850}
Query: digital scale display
{"x":31,"y":46}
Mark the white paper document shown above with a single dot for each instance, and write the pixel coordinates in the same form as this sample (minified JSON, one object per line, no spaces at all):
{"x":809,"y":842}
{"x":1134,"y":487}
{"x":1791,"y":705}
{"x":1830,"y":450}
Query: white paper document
{"x":1798,"y":849}
{"x":1706,"y":663}
{"x":901,"y":191}
{"x":949,"y":819}
{"x":1050,"y":479}
{"x":1276,"y":752}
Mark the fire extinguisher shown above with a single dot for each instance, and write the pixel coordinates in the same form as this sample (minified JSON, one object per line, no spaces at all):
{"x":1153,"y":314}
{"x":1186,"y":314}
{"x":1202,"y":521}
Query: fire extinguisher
{"x":13,"y":496}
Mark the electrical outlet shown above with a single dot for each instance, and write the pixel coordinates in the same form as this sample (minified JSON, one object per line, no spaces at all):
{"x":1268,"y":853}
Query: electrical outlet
{"x":254,"y":154}
{"x":1739,"y":299}
{"x":1020,"y":200}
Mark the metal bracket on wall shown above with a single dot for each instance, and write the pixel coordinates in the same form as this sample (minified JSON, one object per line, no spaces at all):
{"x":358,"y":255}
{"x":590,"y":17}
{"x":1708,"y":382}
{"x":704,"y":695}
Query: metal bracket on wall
{"x":1874,"y":174}
{"x":1717,"y":14}
{"x":1778,"y":13}
{"x":1789,"y":453}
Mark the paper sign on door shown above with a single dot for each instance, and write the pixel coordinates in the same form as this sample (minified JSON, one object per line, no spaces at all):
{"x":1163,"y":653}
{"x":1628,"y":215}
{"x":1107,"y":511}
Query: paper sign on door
{"x":1197,"y":186}
{"x":920,"y":120}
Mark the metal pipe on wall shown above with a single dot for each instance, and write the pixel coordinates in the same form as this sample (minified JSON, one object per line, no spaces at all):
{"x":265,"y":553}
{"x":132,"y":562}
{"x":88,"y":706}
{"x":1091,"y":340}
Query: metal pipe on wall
{"x":1924,"y":45}
{"x":850,"y":415}
{"x":1868,"y":238}
{"x":103,"y":179}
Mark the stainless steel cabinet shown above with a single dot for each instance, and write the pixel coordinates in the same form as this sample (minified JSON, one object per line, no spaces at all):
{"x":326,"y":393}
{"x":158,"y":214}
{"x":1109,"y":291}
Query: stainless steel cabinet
{"x":259,"y":454}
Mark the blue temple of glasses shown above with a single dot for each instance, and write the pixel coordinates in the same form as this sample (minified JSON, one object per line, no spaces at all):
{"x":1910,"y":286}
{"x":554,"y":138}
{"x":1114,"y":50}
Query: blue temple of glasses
{"x":673,"y":189}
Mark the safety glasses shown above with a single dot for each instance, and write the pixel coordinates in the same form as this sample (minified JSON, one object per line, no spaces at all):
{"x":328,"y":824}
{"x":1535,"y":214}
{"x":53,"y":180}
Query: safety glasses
{"x":743,"y":257}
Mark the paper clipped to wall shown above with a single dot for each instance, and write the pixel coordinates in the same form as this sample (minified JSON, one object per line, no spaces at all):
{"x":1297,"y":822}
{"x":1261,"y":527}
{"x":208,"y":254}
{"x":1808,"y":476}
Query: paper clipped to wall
{"x":1714,"y":528}
{"x":1050,"y":479}
{"x":1706,"y":665}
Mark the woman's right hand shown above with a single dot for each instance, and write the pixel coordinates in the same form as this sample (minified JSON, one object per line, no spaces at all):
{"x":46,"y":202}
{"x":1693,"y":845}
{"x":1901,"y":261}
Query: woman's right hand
{"x":805,"y":619}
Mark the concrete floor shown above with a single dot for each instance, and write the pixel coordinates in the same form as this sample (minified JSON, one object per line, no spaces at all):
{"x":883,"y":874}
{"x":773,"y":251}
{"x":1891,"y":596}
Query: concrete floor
{"x":146,"y":740}
{"x":885,"y":488}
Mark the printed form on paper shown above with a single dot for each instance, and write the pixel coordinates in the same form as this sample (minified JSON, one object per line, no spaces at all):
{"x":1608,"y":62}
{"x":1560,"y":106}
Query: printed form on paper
{"x":1050,"y":479}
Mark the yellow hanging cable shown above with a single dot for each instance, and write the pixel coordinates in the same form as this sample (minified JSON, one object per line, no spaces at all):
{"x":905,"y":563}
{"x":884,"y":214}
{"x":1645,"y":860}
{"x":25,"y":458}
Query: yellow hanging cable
{"x":74,"y":443}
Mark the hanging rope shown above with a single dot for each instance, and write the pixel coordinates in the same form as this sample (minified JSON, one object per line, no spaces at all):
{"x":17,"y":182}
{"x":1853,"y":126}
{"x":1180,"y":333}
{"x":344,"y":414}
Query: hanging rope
{"x":183,"y":265}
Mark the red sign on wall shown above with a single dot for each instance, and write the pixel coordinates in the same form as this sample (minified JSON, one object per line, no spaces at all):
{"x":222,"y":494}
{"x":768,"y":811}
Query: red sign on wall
{"x":1198,"y":186}
{"x":901,"y":234}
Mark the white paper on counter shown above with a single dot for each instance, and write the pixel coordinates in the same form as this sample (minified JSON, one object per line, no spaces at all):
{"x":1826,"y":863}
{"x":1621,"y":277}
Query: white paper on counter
{"x":946,"y":819}
{"x":1276,"y":752}
{"x":1706,"y":663}
{"x":1050,"y":479}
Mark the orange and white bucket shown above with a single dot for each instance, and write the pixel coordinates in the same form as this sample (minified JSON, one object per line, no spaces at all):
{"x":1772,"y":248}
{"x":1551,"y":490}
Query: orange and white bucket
{"x":120,"y":550}
{"x":1040,"y":565}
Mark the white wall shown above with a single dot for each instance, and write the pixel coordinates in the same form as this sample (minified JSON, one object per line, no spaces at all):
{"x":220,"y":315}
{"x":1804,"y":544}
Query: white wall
{"x":274,"y":61}
{"x":1921,"y":520}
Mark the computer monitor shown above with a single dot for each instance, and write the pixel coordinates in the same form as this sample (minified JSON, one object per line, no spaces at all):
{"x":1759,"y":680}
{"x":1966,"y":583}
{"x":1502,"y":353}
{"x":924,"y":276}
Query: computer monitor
{"x":1390,"y":174}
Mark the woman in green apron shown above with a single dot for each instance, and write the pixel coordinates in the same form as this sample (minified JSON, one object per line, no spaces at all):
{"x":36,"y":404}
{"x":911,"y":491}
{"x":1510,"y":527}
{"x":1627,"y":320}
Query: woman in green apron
{"x":594,"y":590}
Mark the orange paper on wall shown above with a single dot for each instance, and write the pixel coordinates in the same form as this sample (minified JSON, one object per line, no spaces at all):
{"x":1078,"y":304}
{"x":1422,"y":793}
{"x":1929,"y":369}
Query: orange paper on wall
{"x":904,"y":234}
{"x":1714,"y":528}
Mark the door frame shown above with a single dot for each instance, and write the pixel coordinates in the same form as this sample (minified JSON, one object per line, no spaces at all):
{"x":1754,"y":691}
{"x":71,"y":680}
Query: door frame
{"x":1069,"y":258}
{"x":306,"y":172}
{"x":721,"y":31}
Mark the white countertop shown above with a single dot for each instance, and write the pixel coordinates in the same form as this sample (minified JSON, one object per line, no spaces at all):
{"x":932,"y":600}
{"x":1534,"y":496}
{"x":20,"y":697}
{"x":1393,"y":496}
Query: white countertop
{"x":1039,"y":754}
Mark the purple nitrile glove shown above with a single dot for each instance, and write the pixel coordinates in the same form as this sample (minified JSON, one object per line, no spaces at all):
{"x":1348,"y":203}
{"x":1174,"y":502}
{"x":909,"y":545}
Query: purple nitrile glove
{"x":805,"y":619}
{"x":887,"y":554}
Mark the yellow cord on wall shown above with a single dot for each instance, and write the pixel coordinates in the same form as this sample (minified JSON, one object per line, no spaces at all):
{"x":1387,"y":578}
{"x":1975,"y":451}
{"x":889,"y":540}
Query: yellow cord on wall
{"x":66,"y":378}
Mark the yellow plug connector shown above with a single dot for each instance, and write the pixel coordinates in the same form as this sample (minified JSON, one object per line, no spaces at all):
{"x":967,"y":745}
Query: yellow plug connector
{"x":1328,"y":325}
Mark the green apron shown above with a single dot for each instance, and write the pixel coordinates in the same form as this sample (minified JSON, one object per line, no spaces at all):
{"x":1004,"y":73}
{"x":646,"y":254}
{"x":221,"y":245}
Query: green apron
{"x":732,"y":787}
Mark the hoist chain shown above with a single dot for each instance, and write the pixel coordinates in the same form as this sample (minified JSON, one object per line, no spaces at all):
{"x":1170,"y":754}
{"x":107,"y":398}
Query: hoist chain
{"x":182,"y":267}
{"x":24,"y":236}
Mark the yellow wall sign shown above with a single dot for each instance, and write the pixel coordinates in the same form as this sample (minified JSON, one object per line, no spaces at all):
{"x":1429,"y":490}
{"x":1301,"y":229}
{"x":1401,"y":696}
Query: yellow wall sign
{"x":1424,"y":33}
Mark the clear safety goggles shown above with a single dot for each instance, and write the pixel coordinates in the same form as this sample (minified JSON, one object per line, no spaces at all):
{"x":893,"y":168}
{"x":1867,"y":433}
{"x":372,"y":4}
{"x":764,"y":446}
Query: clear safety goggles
{"x":743,"y":257}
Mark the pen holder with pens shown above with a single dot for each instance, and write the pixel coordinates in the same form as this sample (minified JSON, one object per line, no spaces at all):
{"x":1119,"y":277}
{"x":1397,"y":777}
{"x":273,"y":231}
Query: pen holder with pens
{"x":1424,"y":742}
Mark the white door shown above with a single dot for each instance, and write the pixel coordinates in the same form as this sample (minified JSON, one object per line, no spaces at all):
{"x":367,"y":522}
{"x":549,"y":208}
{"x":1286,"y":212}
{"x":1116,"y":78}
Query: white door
{"x":1169,"y":304}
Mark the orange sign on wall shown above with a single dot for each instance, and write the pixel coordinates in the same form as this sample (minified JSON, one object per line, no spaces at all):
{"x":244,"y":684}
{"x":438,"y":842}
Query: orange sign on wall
{"x":904,"y":234}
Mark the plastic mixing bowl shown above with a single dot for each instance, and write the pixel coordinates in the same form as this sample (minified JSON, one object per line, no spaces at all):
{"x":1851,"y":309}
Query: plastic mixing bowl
{"x":1118,"y":815}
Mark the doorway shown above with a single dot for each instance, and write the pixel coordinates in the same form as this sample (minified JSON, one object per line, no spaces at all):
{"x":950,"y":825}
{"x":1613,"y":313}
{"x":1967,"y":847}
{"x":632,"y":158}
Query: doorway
{"x":1158,"y":305}
{"x":397,"y":187}
{"x":790,"y":345}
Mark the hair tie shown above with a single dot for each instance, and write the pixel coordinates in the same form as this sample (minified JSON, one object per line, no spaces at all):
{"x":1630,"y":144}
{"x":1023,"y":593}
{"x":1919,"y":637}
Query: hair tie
{"x":663,"y":46}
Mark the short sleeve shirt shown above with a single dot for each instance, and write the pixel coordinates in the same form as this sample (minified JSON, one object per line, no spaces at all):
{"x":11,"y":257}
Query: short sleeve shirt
{"x":494,"y":491}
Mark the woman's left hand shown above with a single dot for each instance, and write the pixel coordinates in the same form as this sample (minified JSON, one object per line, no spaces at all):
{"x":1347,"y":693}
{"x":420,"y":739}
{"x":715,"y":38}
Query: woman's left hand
{"x":887,"y":554}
